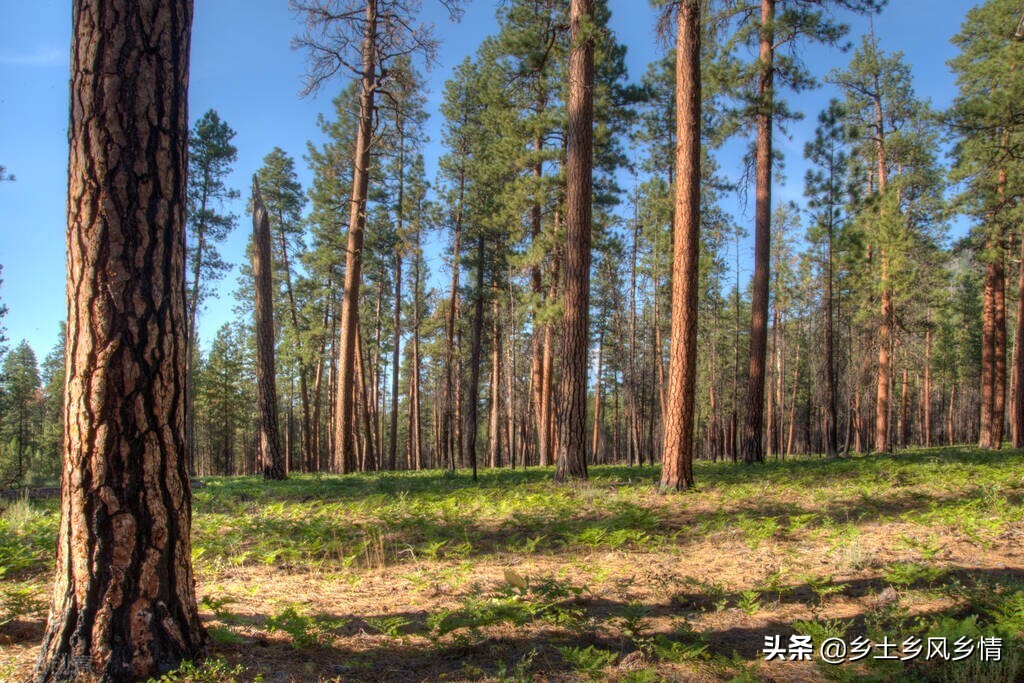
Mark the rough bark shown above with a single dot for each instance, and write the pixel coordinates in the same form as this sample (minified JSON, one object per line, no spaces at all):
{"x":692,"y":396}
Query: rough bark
{"x":572,"y":460}
{"x":677,"y":467}
{"x":753,"y":448}
{"x":266,"y":374}
{"x":123,"y":602}
{"x":345,"y":444}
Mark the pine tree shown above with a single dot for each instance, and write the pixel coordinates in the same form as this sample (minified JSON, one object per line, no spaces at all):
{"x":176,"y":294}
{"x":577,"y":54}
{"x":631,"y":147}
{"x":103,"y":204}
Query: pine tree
{"x":274,"y":463}
{"x":827,"y":193}
{"x":125,"y":499}
{"x":19,"y":414}
{"x":987,"y":117}
{"x":361,"y":37}
{"x":779,"y":23}
{"x":211,"y":155}
{"x":284,"y":200}
{"x":571,"y":462}
{"x":892,"y":140}
{"x":677,"y":470}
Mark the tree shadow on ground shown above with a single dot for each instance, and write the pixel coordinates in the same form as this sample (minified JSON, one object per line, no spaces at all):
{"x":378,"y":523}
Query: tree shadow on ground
{"x":359,"y":651}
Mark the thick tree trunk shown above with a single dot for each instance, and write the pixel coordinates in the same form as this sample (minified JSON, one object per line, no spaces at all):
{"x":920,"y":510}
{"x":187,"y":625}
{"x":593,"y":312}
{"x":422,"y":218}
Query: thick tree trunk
{"x":677,"y":467}
{"x":753,"y":448}
{"x":345,"y":444}
{"x":572,"y":452}
{"x":124,"y":603}
{"x":266,"y":373}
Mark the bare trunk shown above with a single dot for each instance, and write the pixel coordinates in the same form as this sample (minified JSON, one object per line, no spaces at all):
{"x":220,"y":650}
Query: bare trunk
{"x":369,"y":460}
{"x":999,"y":347}
{"x":266,"y":375}
{"x":677,"y":468}
{"x":395,"y":359}
{"x":571,"y":461}
{"x":495,"y":416}
{"x":988,"y":336}
{"x":124,"y":603}
{"x":345,"y":446}
{"x":753,"y":448}
{"x":595,"y":443}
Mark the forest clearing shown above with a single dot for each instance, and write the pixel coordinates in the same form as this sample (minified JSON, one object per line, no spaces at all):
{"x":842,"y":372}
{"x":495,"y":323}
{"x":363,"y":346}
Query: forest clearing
{"x":427,"y":576}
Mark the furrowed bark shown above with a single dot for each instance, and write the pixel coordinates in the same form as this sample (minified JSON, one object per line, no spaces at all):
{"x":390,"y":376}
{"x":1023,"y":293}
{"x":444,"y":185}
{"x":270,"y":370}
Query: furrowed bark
{"x":123,"y":605}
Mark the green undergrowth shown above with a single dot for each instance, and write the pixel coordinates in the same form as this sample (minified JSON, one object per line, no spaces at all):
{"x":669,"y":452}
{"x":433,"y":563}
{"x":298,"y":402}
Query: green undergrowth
{"x":379,"y":519}
{"x":605,"y":611}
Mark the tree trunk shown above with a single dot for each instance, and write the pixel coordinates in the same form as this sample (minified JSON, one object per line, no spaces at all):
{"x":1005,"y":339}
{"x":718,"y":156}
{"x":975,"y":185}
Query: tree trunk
{"x":370,"y":460}
{"x":547,"y":427}
{"x":753,"y":448}
{"x":123,"y":603}
{"x":495,"y":416}
{"x":538,"y":343}
{"x":345,"y":446}
{"x":293,"y":311}
{"x":266,"y":374}
{"x":596,"y":437}
{"x":792,"y":406}
{"x":928,"y":383}
{"x":904,"y":415}
{"x":988,"y":338}
{"x":572,"y":460}
{"x":397,"y":333}
{"x":416,"y":436}
{"x":677,"y":467}
{"x":449,"y":417}
{"x":999,"y":348}
{"x":1018,"y":365}
{"x":469,"y":425}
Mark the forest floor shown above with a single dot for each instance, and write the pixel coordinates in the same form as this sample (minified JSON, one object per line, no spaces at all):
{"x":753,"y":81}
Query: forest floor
{"x":430,"y":577}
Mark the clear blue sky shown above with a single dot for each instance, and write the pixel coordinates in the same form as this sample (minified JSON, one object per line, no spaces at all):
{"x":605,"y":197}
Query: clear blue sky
{"x":243,"y":66}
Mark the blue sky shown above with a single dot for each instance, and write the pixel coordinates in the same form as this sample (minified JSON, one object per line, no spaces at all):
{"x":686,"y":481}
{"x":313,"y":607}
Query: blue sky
{"x":243,"y":66}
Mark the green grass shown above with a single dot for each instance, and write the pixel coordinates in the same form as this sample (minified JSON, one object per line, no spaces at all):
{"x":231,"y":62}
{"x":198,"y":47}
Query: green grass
{"x":587,"y":575}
